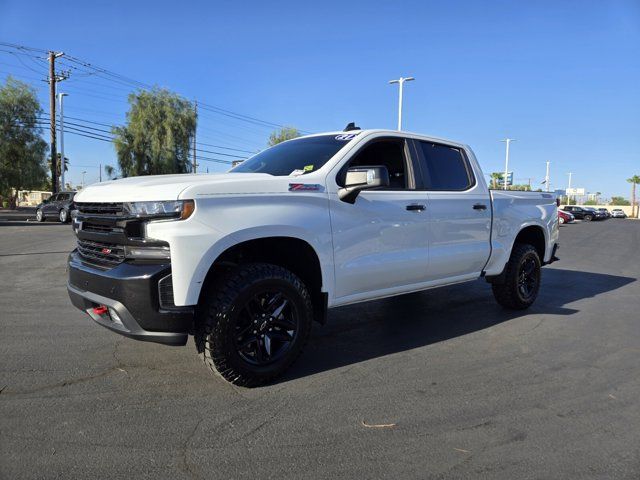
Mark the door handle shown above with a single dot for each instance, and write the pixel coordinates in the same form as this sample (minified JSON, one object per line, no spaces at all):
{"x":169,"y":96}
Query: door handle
{"x":415,"y":207}
{"x":479,"y":206}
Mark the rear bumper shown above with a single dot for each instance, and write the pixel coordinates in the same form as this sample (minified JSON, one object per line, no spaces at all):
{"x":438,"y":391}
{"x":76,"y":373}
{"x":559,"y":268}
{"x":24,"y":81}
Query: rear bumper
{"x":131,"y":292}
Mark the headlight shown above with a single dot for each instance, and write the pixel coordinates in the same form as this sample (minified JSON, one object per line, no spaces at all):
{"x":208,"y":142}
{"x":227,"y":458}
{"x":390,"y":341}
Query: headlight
{"x":147,"y":253}
{"x":171,"y":209}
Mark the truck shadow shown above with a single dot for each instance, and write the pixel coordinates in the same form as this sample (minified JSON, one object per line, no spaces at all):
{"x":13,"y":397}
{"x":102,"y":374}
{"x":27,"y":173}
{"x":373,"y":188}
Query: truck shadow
{"x":360,"y":332}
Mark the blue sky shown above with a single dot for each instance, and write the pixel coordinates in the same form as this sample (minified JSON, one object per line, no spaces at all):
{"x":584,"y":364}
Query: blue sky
{"x":562,"y":78}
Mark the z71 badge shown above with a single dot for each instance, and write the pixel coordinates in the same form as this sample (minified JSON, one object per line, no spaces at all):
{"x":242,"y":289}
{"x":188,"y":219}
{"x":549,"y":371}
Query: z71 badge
{"x":304,"y":187}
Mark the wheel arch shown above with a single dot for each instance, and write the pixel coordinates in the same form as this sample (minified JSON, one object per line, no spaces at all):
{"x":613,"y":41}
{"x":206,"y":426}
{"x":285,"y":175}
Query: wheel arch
{"x":291,"y":252}
{"x":532,"y":234}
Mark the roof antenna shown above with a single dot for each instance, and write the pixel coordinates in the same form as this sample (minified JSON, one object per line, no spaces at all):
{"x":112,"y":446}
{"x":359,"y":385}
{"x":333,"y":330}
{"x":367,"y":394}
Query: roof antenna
{"x":351,"y":126}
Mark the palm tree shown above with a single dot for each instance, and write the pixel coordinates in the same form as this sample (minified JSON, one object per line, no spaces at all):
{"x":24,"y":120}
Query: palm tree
{"x":495,"y":178}
{"x":633,"y":181}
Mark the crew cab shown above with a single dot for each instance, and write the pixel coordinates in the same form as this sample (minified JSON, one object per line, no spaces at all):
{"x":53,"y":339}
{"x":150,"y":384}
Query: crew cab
{"x":246,"y":260}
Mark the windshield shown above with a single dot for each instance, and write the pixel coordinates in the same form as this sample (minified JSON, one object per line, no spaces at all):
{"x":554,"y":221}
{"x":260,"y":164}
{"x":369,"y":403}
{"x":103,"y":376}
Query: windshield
{"x":295,"y":157}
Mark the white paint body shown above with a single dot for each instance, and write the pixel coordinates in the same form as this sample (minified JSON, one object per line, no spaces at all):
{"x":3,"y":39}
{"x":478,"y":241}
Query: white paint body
{"x":370,"y":249}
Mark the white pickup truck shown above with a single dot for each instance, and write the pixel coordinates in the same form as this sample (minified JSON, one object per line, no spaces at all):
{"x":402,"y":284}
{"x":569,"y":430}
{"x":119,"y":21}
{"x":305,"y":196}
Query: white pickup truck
{"x":246,"y":260}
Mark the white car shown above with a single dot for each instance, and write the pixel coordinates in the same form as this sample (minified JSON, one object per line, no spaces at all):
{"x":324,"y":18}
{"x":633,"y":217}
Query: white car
{"x":618,"y":213}
{"x":246,"y":260}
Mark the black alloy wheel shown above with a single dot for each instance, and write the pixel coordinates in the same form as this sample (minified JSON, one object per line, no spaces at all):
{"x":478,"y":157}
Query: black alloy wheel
{"x":266,"y":327}
{"x":528,"y":278}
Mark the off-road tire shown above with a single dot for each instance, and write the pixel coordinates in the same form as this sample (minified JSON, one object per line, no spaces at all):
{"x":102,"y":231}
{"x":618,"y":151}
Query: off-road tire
{"x":220,"y":306}
{"x":508,"y":293}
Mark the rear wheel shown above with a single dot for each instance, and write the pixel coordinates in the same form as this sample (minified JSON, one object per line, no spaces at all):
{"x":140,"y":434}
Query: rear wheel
{"x":253,"y":324}
{"x":522,"y":279}
{"x":39,"y":215}
{"x":561,"y":220}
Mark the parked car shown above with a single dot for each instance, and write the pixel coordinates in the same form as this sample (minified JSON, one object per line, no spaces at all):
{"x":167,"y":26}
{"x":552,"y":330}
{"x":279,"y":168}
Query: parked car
{"x":604,"y":211}
{"x":598,"y":214}
{"x":58,"y":206}
{"x":584,"y":213}
{"x":618,"y":213}
{"x":565,"y":217}
{"x":246,"y":260}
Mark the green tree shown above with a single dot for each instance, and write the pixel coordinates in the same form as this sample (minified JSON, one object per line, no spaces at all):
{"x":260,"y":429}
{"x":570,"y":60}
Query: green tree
{"x":158,"y":134}
{"x":22,"y":150}
{"x":496,"y":179}
{"x":619,"y":201}
{"x":110,"y":171}
{"x":282,"y":135}
{"x":590,"y":202}
{"x":633,"y":181}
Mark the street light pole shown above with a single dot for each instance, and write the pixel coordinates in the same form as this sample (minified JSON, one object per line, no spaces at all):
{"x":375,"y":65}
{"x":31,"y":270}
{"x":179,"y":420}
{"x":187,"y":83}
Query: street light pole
{"x":569,"y":188}
{"x":60,"y":98}
{"x":400,"y":83}
{"x":506,"y":161}
{"x":83,"y":178}
{"x":546,"y":177}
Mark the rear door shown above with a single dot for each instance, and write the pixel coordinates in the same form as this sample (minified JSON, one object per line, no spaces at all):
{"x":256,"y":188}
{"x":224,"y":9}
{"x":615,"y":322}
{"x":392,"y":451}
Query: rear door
{"x":459,"y":212}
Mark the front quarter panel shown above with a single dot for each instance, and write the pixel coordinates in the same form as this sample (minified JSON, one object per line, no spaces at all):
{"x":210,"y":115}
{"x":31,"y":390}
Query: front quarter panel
{"x":220,"y":222}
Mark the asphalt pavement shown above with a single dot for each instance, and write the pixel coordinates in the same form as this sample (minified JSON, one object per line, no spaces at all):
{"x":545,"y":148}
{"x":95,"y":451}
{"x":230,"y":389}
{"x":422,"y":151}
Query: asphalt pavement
{"x":439,"y":384}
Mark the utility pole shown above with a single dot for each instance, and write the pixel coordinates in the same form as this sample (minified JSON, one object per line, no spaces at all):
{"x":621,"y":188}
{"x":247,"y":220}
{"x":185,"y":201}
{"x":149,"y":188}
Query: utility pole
{"x":100,"y":172}
{"x":52,"y":116}
{"x":400,"y":83}
{"x":546,"y":177}
{"x":195,"y":161}
{"x":83,"y":173}
{"x":506,"y":161}
{"x":569,"y":188}
{"x":62,"y":165}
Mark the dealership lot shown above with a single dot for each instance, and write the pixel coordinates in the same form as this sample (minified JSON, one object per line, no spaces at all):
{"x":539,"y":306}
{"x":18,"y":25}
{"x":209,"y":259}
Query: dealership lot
{"x":441,"y":383}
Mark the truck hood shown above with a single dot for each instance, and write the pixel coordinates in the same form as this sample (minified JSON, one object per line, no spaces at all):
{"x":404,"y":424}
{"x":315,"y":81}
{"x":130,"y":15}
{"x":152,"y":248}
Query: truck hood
{"x":183,"y":186}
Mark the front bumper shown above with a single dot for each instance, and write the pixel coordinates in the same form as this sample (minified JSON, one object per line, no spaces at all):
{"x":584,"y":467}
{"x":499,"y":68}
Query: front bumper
{"x":131,"y":290}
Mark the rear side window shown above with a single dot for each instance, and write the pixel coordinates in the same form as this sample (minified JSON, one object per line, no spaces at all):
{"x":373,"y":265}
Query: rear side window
{"x":445,"y":167}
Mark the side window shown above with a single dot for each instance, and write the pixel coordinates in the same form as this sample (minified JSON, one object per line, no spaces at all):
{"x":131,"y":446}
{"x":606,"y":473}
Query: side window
{"x":388,"y":153}
{"x":445,"y":167}
{"x":54,"y":198}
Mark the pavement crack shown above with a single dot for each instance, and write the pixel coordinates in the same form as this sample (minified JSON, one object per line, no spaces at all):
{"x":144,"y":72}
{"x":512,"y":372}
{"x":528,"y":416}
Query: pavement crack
{"x":185,"y":451}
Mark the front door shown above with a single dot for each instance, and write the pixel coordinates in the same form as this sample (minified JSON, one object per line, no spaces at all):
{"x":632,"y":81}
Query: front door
{"x":380,"y":241}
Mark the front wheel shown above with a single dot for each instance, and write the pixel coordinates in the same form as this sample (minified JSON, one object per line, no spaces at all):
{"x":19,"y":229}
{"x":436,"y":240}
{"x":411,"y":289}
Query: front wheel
{"x":253,"y":324}
{"x":561,"y":220}
{"x":522,"y":279}
{"x":63,"y":216}
{"x":588,"y":218}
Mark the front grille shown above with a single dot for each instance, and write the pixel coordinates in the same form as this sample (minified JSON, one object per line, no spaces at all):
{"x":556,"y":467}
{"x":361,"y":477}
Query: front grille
{"x":102,"y":254}
{"x":165,"y":292}
{"x":97,"y":228}
{"x":100,"y":208}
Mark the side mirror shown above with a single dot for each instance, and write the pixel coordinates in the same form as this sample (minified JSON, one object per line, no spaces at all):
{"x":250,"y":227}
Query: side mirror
{"x":362,"y":178}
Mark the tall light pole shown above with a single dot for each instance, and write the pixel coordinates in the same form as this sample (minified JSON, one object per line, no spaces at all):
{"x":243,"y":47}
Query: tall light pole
{"x":546,"y":177}
{"x":400,"y":83}
{"x":60,"y":98}
{"x":506,"y":161}
{"x":569,"y":188}
{"x":83,"y":178}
